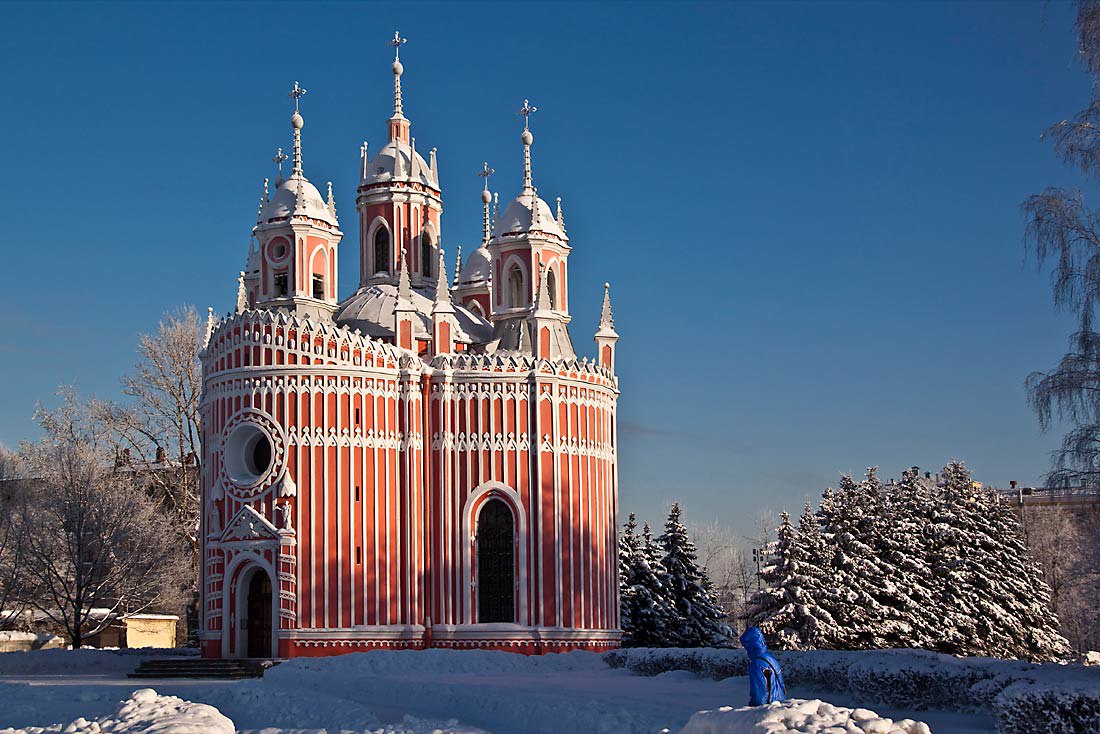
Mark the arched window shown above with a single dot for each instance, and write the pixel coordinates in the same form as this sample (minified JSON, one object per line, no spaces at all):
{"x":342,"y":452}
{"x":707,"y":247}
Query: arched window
{"x":552,"y":288}
{"x":495,"y":563}
{"x":426,"y":255}
{"x":515,"y":287}
{"x":381,"y":251}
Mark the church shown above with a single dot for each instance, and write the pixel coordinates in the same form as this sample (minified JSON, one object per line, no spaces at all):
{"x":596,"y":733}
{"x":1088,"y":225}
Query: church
{"x":426,"y":462}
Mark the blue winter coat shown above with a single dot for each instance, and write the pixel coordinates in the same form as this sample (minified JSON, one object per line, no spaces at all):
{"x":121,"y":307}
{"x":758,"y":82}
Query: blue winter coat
{"x":765,"y":677}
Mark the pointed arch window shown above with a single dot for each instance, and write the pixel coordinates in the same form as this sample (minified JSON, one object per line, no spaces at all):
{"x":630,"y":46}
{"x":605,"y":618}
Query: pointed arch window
{"x":515,"y":287}
{"x":426,"y":250}
{"x":495,"y":563}
{"x":552,"y":289}
{"x":381,"y":251}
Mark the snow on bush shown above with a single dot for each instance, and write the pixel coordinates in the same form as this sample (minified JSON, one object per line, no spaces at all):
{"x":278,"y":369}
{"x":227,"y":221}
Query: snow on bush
{"x":1057,"y":707}
{"x":147,"y":712}
{"x":88,"y":661}
{"x":798,"y":715}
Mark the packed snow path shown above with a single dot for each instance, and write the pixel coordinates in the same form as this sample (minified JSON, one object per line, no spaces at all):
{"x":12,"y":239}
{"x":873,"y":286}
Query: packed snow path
{"x":455,"y":692}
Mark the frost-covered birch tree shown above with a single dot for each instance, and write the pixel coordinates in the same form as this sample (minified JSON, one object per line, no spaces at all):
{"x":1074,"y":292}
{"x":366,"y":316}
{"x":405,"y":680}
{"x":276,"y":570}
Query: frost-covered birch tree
{"x":93,"y":539}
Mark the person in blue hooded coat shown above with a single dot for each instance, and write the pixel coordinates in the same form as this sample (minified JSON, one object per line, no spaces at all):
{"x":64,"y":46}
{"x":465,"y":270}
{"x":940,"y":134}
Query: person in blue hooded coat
{"x":765,"y":676}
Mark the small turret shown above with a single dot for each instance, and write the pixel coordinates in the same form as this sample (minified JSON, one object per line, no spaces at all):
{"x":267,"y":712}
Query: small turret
{"x":404,"y":312}
{"x":606,"y":336}
{"x":443,"y":324}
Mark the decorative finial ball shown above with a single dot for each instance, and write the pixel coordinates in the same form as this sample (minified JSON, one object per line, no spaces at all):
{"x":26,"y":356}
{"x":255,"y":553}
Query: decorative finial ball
{"x":398,"y":69}
{"x":527,"y":137}
{"x":297,"y":121}
{"x":486,"y":197}
{"x":606,"y":286}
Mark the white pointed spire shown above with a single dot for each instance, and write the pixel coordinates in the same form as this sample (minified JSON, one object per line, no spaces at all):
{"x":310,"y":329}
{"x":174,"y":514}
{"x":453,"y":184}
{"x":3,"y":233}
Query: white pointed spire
{"x":433,"y":166}
{"x":363,"y":160}
{"x":442,"y":292}
{"x":398,"y":69}
{"x":331,"y":201}
{"x":211,"y":322}
{"x":278,"y":160}
{"x":527,"y":138}
{"x":486,"y":197}
{"x":607,"y":323}
{"x":242,"y":294}
{"x":496,"y":207}
{"x":296,"y":122}
{"x":561,"y":219}
{"x":458,"y":265}
{"x":413,"y":172}
{"x":263,"y":202}
{"x":535,"y":219}
{"x":404,"y":289}
{"x":544,"y":294}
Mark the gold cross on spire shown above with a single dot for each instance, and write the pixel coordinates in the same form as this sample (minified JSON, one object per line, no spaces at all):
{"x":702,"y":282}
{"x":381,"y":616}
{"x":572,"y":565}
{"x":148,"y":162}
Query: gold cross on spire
{"x":396,"y":43}
{"x":485,"y":173}
{"x":296,"y":93}
{"x":527,"y":110}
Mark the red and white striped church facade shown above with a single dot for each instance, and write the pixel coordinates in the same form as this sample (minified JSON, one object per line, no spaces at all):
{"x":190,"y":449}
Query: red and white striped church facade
{"x":425,"y":463}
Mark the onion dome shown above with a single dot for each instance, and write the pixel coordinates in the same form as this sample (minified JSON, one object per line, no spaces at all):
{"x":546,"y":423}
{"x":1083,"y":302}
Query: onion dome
{"x":296,"y":195}
{"x":370,"y":310}
{"x":399,"y":161}
{"x":477,"y":267}
{"x":520,"y":217}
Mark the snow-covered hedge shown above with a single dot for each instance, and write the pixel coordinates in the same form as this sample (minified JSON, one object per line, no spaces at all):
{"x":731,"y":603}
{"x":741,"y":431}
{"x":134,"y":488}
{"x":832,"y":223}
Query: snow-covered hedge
{"x":1024,"y":697}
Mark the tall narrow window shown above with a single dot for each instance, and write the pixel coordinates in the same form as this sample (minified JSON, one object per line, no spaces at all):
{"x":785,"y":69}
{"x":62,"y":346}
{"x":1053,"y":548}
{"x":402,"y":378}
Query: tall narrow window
{"x":381,"y":251}
{"x":426,"y":255}
{"x":515,"y":287}
{"x":280,"y":284}
{"x":496,"y":571}
{"x":552,"y":288}
{"x":319,"y":287}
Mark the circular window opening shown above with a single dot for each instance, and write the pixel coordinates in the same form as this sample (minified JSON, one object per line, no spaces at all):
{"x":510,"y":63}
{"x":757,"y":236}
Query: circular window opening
{"x":278,"y":251}
{"x":247,"y":454}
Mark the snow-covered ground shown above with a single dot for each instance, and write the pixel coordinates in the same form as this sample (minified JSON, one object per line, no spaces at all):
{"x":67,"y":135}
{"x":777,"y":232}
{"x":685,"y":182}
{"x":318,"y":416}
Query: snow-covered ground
{"x":463,"y":692}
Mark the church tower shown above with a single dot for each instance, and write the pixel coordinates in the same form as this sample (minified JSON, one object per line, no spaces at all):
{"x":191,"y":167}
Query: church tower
{"x":297,"y":233}
{"x":529,"y":254}
{"x":399,"y":202}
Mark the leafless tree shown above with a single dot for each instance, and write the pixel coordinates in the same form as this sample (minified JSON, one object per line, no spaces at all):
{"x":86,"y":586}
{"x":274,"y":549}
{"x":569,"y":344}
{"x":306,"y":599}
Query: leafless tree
{"x":729,"y":565}
{"x":93,"y":540}
{"x":1064,"y":231}
{"x":1064,"y":547}
{"x":11,"y":540}
{"x":157,"y":433}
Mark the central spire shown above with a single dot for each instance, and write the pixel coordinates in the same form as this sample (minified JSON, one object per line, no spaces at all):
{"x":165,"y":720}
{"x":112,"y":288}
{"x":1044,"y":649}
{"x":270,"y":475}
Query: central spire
{"x":296,"y":122}
{"x":527,"y":138}
{"x":398,"y":124}
{"x":486,"y":198}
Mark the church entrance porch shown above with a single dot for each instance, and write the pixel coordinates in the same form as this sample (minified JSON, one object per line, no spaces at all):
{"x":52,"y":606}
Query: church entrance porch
{"x":258,"y":622}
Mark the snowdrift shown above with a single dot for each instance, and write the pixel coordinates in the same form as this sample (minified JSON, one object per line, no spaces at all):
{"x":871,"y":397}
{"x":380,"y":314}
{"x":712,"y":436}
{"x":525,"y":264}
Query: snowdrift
{"x":147,"y":712}
{"x":801,"y":716}
{"x":1023,"y":697}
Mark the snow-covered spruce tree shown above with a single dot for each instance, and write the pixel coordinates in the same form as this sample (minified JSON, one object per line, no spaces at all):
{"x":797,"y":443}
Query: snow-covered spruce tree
{"x":994,"y":601}
{"x":777,"y":608}
{"x":699,"y":621}
{"x":646,"y":616}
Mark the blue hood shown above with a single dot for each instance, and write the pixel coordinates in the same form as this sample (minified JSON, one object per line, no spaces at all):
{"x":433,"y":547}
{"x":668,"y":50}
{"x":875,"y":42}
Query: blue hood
{"x":752,"y":640}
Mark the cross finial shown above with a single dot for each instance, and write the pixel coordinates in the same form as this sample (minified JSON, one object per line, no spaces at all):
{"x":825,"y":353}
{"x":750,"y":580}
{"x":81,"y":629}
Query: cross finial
{"x":527,"y":110}
{"x":278,"y":161}
{"x":396,"y":42}
{"x":485,"y":173}
{"x":297,"y":94}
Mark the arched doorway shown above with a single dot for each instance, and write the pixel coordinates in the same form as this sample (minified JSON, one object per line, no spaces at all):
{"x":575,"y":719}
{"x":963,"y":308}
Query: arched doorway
{"x":495,"y":563}
{"x":258,"y":605}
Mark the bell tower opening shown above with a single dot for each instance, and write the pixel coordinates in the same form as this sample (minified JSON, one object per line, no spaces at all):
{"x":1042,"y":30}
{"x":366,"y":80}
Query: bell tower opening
{"x":381,"y":251}
{"x":495,"y":563}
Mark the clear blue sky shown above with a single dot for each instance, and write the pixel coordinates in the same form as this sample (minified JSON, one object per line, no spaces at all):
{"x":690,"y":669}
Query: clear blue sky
{"x":809,"y":213}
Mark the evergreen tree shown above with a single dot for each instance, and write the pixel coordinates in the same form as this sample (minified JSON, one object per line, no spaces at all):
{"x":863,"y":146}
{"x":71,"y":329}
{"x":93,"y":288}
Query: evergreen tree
{"x":698,"y":619}
{"x":646,"y":617}
{"x":913,"y":564}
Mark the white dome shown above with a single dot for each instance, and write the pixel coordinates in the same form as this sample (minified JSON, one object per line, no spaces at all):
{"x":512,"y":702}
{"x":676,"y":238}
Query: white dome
{"x":476,"y":269}
{"x":284,"y":202}
{"x":517,"y":218}
{"x":370,"y":309}
{"x":381,"y":166}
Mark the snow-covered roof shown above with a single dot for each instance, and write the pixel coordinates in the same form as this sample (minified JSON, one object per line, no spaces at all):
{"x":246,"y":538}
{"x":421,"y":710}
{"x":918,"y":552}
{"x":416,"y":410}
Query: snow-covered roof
{"x":370,"y":309}
{"x":517,"y":217}
{"x":413,"y":166}
{"x":284,"y":202}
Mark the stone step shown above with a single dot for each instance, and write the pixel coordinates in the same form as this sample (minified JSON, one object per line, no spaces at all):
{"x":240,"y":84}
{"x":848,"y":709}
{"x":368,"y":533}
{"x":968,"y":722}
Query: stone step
{"x":201,"y":668}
